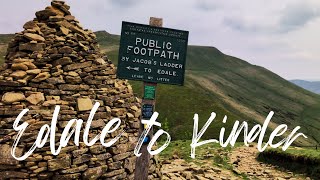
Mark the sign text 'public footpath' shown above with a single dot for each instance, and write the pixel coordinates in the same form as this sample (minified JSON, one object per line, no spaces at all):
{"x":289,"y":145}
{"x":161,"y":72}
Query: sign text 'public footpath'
{"x":152,"y":54}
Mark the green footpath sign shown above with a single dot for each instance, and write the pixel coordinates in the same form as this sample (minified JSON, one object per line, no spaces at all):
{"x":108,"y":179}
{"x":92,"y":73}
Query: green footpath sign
{"x":149,"y":92}
{"x":152,"y":54}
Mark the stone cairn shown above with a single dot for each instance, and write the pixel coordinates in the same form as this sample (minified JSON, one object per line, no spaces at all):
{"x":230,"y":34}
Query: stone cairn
{"x":54,"y":61}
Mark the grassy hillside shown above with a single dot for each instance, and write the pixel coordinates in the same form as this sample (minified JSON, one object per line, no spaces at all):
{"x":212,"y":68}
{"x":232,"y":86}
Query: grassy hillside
{"x":233,"y":87}
{"x":219,"y":83}
{"x":4,"y":39}
{"x":109,"y":44}
{"x":252,"y":91}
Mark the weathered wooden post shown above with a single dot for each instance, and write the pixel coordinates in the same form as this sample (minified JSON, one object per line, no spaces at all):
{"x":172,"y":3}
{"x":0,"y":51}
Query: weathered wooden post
{"x":142,"y":162}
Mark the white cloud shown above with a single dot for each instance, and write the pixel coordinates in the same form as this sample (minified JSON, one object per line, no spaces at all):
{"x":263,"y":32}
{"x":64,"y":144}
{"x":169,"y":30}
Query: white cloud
{"x":279,"y":35}
{"x":296,"y":16}
{"x":207,"y":5}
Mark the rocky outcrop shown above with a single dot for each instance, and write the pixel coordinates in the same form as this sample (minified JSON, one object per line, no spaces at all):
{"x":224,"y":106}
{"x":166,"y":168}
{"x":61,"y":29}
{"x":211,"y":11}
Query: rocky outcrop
{"x":54,"y":61}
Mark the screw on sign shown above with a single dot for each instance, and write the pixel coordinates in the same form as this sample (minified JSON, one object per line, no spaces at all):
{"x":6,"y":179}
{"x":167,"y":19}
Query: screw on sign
{"x":151,"y":54}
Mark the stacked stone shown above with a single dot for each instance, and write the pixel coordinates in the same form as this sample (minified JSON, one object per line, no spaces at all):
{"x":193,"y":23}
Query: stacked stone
{"x":54,"y":61}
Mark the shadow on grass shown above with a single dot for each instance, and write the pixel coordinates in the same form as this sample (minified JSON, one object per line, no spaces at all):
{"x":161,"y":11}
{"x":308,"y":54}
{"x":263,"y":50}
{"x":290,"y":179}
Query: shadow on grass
{"x":296,"y":164}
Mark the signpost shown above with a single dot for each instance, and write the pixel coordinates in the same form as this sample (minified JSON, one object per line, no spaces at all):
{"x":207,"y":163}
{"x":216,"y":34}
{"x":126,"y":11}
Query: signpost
{"x":151,"y":54}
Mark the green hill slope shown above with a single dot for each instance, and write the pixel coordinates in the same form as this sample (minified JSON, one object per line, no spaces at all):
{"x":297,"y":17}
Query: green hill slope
{"x":252,"y":91}
{"x":219,"y":83}
{"x":4,"y":40}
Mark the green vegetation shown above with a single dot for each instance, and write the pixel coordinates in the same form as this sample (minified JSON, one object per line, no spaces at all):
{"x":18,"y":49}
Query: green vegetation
{"x":177,"y":106}
{"x":4,"y":40}
{"x":298,"y":160}
{"x":1,"y":58}
{"x":211,"y":153}
{"x":106,"y":39}
{"x":109,"y":44}
{"x":182,"y":149}
{"x":219,"y":83}
{"x":305,"y":155}
{"x":226,"y":85}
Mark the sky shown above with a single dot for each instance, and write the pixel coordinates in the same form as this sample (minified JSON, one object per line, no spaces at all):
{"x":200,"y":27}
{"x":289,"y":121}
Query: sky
{"x":282,"y":36}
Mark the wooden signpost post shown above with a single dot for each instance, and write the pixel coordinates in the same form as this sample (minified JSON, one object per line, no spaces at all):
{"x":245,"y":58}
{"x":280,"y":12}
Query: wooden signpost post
{"x":151,"y":54}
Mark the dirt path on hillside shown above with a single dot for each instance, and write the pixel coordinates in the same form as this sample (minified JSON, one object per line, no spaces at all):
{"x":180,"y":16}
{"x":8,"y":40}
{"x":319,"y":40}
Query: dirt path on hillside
{"x":242,"y":164}
{"x":180,"y":169}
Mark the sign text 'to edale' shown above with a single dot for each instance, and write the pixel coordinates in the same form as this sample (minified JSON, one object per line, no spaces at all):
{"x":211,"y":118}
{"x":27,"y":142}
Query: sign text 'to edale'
{"x":152,"y":54}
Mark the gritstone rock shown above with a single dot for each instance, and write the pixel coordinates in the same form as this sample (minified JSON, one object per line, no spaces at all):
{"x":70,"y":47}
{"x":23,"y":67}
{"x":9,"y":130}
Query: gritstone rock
{"x":54,"y":61}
